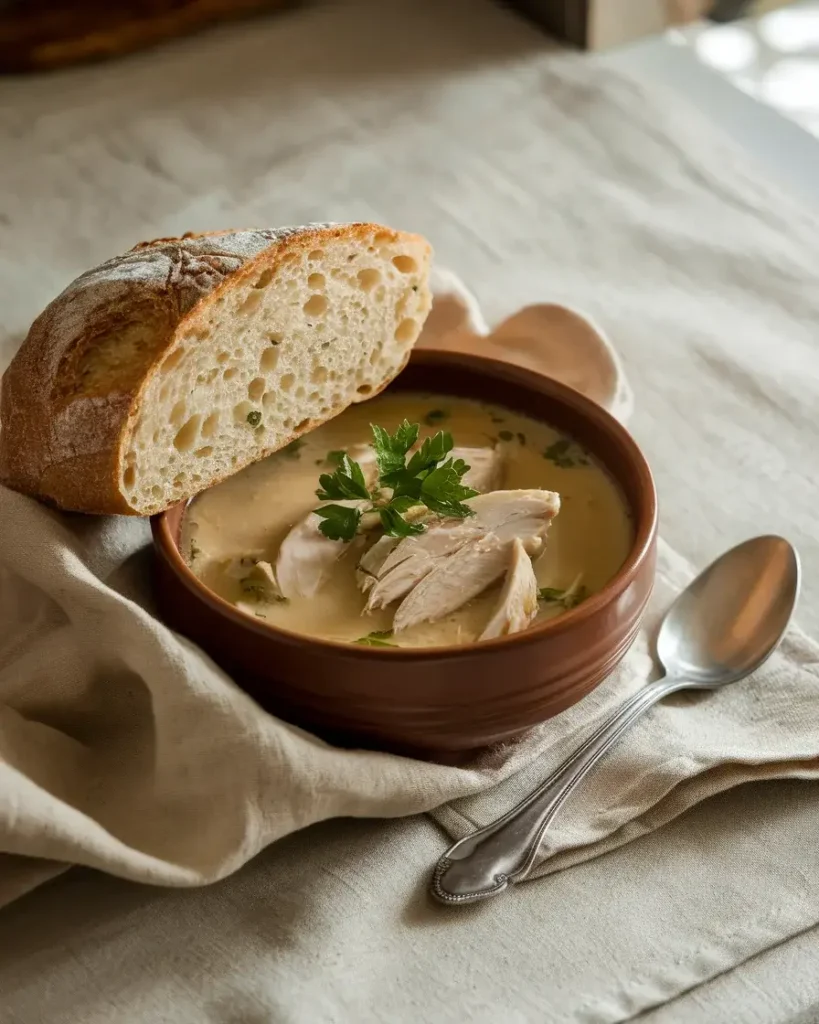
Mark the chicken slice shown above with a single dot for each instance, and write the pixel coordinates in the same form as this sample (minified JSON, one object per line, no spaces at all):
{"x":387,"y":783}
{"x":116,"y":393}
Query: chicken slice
{"x":453,"y":581}
{"x":372,"y":560}
{"x":517,"y":604}
{"x":485,"y":467}
{"x":504,"y":515}
{"x":306,"y":557}
{"x":414,"y":557}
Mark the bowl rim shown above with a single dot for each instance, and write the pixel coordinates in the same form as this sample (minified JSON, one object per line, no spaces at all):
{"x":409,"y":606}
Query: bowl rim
{"x":644,"y":538}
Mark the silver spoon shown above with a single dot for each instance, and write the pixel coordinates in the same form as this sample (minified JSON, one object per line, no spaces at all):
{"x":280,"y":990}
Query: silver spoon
{"x":721,"y":628}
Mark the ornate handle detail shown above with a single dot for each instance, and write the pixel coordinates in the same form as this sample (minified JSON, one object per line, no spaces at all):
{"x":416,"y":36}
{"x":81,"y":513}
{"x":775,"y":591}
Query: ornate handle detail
{"x":484,"y":863}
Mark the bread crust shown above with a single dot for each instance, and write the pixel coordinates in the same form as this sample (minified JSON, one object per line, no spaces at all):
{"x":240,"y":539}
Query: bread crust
{"x":64,"y":422}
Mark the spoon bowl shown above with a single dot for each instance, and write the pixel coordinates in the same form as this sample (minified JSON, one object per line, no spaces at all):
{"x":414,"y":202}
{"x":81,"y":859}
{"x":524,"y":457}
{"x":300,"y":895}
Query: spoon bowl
{"x":730,"y":619}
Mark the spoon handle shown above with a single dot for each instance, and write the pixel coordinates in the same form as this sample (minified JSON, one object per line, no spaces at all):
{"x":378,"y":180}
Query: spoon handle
{"x":482,"y":864}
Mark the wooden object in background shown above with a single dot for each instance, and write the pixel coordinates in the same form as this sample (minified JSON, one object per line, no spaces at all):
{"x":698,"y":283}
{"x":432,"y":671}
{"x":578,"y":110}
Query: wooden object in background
{"x":40,"y":35}
{"x":600,"y":24}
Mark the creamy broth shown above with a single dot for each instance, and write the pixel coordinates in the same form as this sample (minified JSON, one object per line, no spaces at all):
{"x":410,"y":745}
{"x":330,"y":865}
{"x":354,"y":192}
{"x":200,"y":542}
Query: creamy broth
{"x":249,"y":515}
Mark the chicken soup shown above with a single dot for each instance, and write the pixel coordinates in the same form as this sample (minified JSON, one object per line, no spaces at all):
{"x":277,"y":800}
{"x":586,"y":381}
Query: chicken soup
{"x":412,"y":520}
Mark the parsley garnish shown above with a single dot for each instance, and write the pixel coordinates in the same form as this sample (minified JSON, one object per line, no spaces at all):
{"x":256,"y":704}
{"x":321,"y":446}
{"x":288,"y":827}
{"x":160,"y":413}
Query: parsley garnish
{"x":429,"y":479}
{"x":254,"y":418}
{"x":334,"y":458}
{"x":292,"y":450}
{"x":435,"y":416}
{"x":569,"y":598}
{"x":376,"y":639}
{"x":565,"y":454}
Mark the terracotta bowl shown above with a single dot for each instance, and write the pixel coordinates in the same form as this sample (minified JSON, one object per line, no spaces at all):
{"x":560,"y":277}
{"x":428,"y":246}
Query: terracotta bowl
{"x":443,"y":703}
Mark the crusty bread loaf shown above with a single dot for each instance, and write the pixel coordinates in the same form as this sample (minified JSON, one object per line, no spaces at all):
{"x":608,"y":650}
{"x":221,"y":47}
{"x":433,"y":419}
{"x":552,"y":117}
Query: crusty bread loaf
{"x":171,"y":367}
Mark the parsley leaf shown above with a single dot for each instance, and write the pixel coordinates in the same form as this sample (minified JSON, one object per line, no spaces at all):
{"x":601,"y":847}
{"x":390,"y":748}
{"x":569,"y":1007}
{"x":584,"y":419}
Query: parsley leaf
{"x":431,"y":452}
{"x":391,"y":449}
{"x":569,"y":598}
{"x":376,"y":639}
{"x":254,"y":418}
{"x":334,"y":457}
{"x":395,"y":525}
{"x":338,"y":521}
{"x":347,"y":482}
{"x":443,"y":492}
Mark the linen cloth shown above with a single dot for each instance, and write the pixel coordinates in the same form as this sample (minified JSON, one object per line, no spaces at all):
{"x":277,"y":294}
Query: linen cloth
{"x":592,"y":193}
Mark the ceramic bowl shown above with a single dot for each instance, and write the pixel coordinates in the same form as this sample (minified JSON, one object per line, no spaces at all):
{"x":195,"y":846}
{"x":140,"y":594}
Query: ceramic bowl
{"x":443,"y":703}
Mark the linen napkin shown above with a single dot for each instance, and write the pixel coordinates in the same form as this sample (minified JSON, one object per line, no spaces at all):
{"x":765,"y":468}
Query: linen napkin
{"x":123,"y":747}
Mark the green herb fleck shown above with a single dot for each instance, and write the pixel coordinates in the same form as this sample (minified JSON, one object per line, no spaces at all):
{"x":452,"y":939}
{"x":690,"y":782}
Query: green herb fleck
{"x":565,"y":454}
{"x":254,"y":418}
{"x":196,"y":551}
{"x":376,"y":639}
{"x":334,"y":457}
{"x":569,"y":598}
{"x":291,"y":451}
{"x":435,"y":416}
{"x":505,"y":435}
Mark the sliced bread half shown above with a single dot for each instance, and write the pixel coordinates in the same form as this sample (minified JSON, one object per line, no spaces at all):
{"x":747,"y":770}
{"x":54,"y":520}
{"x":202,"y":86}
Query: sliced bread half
{"x":173,"y":366}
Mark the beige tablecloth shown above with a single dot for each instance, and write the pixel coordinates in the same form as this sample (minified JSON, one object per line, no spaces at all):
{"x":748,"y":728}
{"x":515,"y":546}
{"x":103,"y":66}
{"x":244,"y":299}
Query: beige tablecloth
{"x":537,"y":176}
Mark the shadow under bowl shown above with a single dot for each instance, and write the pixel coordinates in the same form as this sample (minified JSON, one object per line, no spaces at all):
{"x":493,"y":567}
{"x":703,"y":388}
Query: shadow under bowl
{"x":438,"y":703}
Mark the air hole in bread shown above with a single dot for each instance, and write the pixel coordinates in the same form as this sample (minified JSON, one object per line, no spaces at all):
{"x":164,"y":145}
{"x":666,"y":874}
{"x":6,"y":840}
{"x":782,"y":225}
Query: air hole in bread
{"x":406,"y":264}
{"x":179,"y":481}
{"x":381,"y":293}
{"x":255,"y":388}
{"x":156,"y":491}
{"x":230,"y":372}
{"x":319,"y":374}
{"x":251,"y":303}
{"x":268,"y":360}
{"x":206,"y":378}
{"x":223,"y":357}
{"x":405,"y":331}
{"x":300,"y":391}
{"x":382,"y":237}
{"x":165,"y":392}
{"x":316,"y":305}
{"x":268,"y":399}
{"x":129,"y":477}
{"x":245,"y":412}
{"x":174,"y":359}
{"x":202,"y":453}
{"x":375,"y":355}
{"x":287,"y":381}
{"x":368,"y":279}
{"x":364,"y":389}
{"x":317,"y":282}
{"x":315,"y":396}
{"x":179,"y":412}
{"x":187,"y":436}
{"x":316,"y":254}
{"x":304,"y":424}
{"x":211,"y":425}
{"x":265,"y":279}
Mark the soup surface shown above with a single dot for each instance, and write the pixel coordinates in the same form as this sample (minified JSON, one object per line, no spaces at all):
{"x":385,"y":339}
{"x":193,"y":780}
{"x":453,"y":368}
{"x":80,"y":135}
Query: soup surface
{"x":245,"y":519}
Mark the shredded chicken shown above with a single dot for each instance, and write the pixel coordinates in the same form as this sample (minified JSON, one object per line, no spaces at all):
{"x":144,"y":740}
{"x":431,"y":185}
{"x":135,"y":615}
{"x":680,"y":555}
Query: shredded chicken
{"x":517,"y":604}
{"x":485,"y":471}
{"x":456,"y":559}
{"x":306,"y":557}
